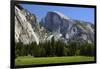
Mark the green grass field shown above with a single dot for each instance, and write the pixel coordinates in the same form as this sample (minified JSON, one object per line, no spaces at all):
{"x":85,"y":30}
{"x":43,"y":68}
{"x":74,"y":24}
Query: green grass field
{"x":29,"y":60}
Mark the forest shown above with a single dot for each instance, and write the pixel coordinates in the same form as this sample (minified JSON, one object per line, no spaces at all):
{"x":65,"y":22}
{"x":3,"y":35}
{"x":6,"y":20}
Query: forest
{"x":54,"y":49}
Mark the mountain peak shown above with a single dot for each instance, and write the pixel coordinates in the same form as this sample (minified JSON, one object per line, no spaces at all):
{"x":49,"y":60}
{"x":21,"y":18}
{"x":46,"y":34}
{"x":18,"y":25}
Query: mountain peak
{"x":60,"y":14}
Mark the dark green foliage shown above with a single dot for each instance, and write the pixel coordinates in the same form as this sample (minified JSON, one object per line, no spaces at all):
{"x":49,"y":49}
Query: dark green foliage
{"x":87,"y":50}
{"x":54,"y":48}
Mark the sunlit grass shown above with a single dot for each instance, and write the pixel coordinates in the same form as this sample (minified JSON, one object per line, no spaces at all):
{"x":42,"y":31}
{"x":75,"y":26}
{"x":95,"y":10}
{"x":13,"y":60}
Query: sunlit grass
{"x":29,"y":60}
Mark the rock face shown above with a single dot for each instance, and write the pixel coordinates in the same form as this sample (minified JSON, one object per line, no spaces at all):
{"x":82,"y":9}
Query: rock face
{"x":68,"y":29}
{"x":24,"y":21}
{"x":28,"y":29}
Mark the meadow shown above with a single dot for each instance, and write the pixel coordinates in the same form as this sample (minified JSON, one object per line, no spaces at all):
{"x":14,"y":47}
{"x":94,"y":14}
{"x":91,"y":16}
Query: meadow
{"x":30,"y":60}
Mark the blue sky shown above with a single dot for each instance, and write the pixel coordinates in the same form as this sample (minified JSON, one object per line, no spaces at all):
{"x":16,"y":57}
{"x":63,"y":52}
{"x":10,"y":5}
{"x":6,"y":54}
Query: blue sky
{"x":84,"y":14}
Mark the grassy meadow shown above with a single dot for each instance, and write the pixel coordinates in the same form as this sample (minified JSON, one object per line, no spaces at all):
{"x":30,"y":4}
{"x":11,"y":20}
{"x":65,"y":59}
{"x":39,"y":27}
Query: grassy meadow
{"x":29,"y":60}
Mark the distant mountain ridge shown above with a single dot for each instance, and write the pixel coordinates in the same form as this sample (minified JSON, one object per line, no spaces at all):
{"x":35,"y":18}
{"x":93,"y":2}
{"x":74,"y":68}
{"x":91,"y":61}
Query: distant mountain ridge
{"x":54,"y":24}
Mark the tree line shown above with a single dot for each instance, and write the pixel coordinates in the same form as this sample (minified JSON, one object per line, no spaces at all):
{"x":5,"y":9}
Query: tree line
{"x":54,"y":48}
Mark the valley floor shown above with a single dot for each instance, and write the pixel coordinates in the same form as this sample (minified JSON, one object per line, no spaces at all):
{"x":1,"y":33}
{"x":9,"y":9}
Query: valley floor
{"x":29,"y":60}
